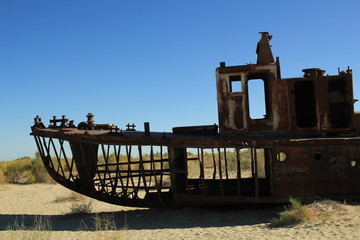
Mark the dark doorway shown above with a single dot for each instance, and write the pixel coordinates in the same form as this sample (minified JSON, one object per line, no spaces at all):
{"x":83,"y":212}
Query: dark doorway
{"x":305,"y":104}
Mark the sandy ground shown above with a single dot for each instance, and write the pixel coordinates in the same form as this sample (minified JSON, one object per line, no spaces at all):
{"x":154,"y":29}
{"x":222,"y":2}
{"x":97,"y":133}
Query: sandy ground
{"x":24,"y":203}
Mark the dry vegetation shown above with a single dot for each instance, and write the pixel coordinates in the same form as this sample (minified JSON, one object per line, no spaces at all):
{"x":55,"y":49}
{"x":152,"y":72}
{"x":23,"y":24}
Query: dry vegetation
{"x":24,"y":170}
{"x":41,"y":223}
{"x":297,"y":213}
{"x":81,"y":206}
{"x":71,"y":197}
{"x":294,"y":214}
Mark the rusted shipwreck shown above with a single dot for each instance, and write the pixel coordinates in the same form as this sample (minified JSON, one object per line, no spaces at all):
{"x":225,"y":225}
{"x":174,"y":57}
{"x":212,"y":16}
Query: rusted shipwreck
{"x":305,"y":143}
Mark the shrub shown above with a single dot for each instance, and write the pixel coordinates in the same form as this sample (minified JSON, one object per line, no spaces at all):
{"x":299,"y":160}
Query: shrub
{"x":17,"y":171}
{"x":24,"y":170}
{"x":2,"y":176}
{"x":294,"y":214}
{"x":39,"y":173}
{"x":80,"y":208}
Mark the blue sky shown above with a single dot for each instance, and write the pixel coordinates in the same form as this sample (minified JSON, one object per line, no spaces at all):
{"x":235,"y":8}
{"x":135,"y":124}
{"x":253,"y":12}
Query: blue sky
{"x":137,"y":61}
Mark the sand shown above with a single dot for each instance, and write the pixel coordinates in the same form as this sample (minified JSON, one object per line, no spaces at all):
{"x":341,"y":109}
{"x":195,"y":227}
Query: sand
{"x":24,"y":203}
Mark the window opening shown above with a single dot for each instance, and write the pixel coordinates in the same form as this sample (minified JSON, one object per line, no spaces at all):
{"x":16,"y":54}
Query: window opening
{"x":194,"y":163}
{"x":235,"y":84}
{"x":305,"y":104}
{"x":281,"y":156}
{"x":257,"y":99}
{"x":340,"y":112}
{"x":226,"y":171}
{"x":247,"y":163}
{"x":317,"y":156}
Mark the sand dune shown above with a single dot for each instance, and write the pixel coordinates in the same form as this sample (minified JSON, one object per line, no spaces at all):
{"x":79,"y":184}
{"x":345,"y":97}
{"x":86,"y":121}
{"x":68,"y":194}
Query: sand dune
{"x":26,"y":202}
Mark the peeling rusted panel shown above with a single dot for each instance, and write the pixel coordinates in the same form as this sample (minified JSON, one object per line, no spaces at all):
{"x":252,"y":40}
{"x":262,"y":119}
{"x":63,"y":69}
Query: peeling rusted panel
{"x":307,"y":143}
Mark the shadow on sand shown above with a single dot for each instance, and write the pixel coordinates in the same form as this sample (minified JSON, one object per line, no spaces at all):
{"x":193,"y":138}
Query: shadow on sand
{"x":154,"y":218}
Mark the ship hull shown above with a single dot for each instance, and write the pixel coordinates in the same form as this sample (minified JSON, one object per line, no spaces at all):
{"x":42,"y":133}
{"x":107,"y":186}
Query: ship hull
{"x":173,"y":170}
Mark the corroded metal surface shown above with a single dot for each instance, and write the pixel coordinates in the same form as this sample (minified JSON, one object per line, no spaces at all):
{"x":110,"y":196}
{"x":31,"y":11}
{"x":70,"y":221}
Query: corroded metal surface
{"x":305,"y":142}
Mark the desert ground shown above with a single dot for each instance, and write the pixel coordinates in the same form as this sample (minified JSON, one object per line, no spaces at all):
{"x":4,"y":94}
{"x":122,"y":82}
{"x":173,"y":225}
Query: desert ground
{"x":23,"y":204}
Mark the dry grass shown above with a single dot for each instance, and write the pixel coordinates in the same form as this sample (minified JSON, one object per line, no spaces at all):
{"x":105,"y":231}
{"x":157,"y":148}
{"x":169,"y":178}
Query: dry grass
{"x":324,"y":211}
{"x":70,"y":198}
{"x":78,"y":204}
{"x":81,"y":207}
{"x":2,"y":176}
{"x":294,"y":214}
{"x":104,"y":222}
{"x":42,"y":228}
{"x":327,"y":210}
{"x":24,"y":170}
{"x":41,"y":223}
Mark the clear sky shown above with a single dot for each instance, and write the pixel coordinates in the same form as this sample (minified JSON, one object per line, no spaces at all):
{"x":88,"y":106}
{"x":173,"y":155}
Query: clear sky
{"x":152,"y":60}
